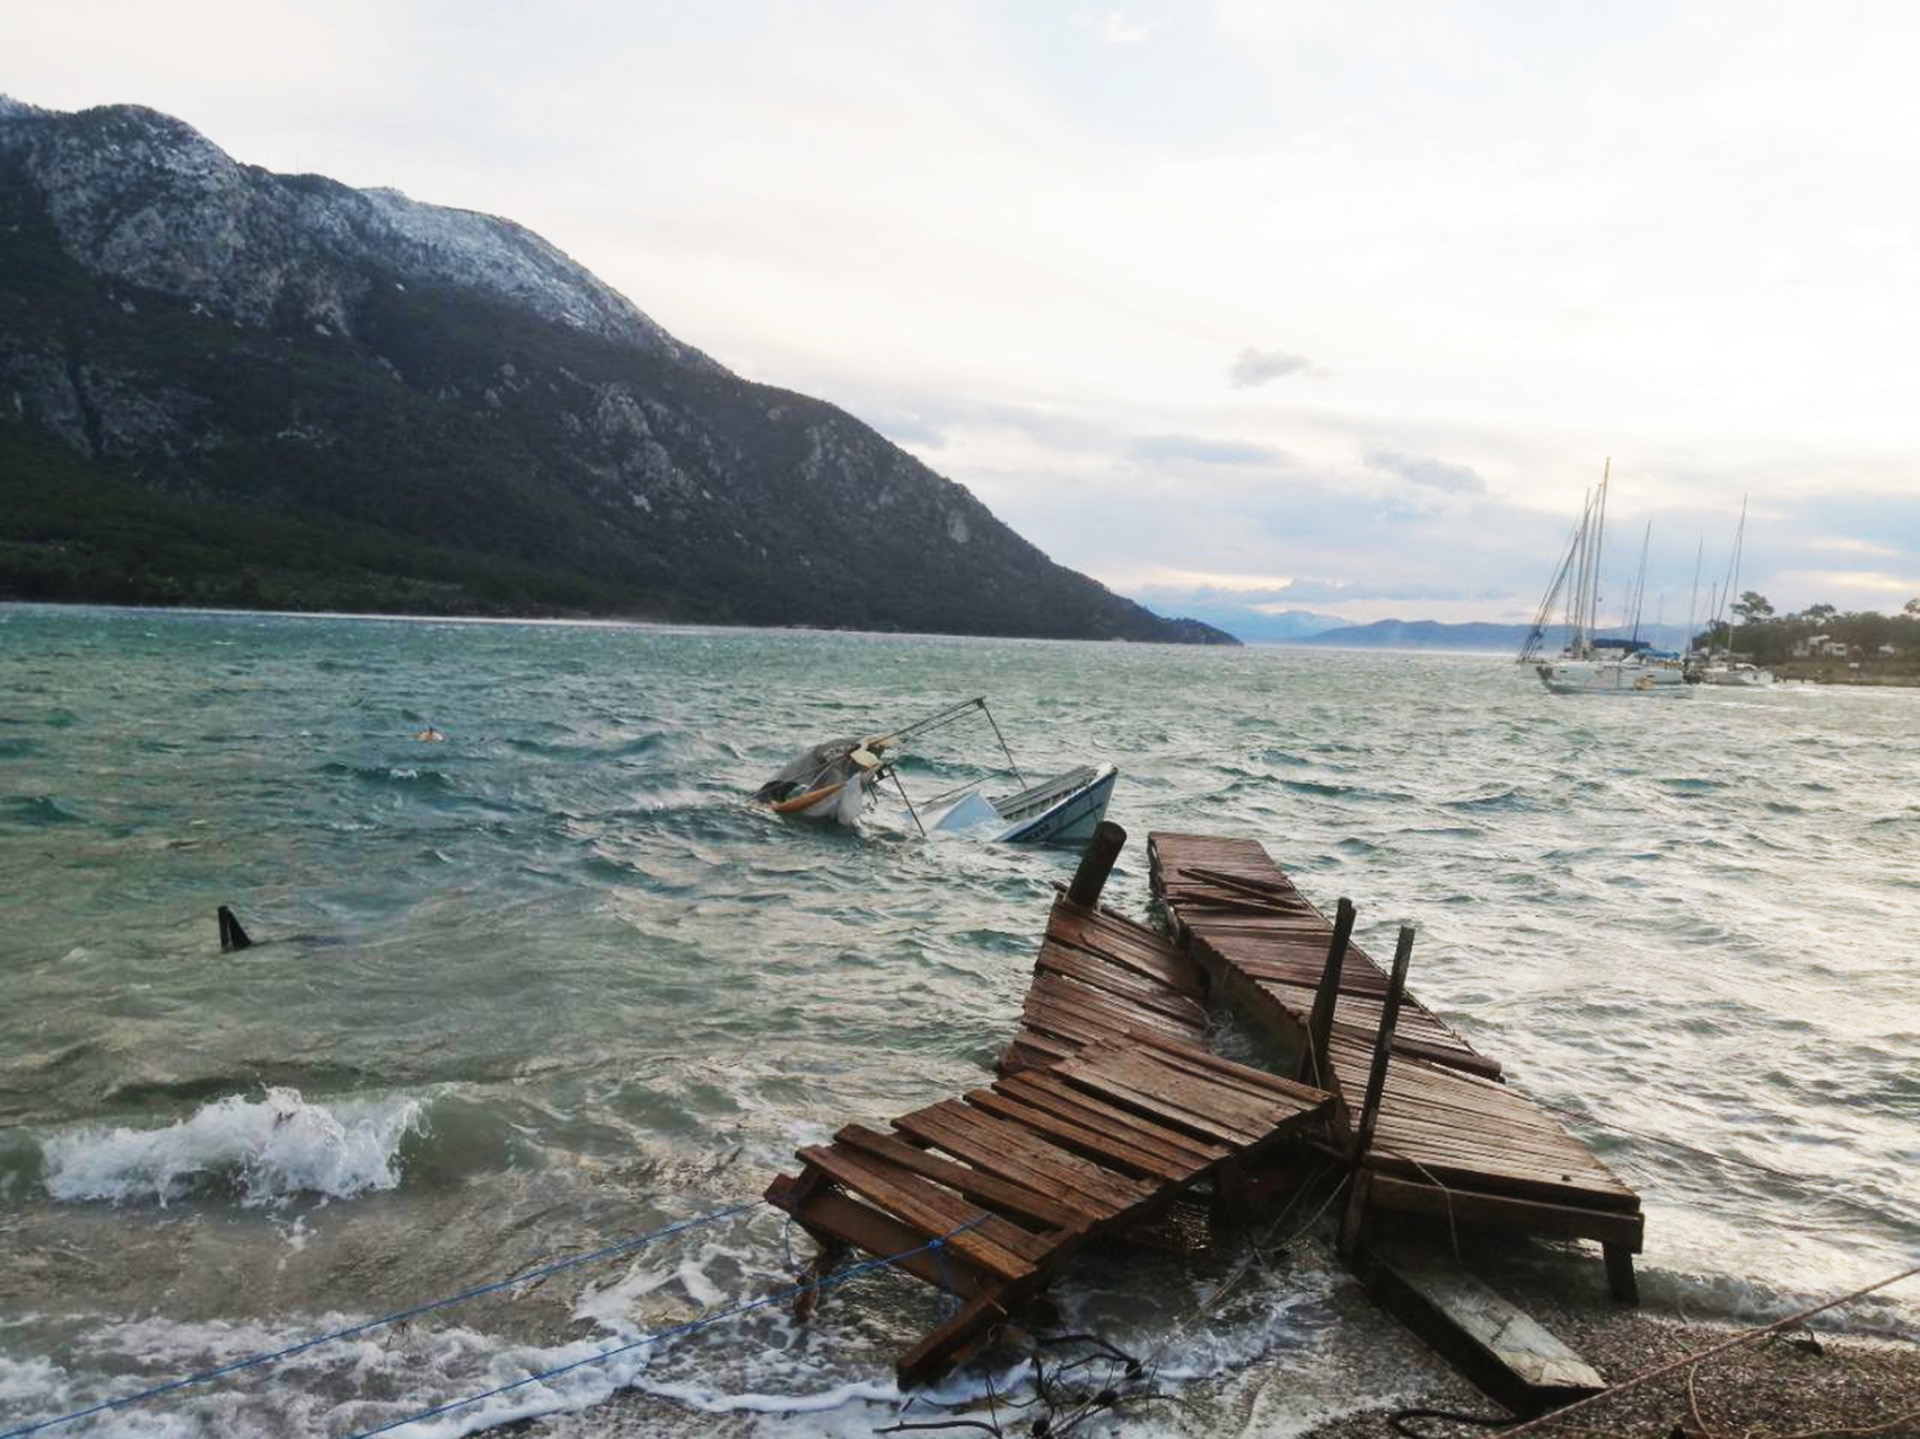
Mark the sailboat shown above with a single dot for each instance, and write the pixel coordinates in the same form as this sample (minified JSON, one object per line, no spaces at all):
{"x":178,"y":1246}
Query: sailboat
{"x":1592,"y":664}
{"x":1723,"y":668}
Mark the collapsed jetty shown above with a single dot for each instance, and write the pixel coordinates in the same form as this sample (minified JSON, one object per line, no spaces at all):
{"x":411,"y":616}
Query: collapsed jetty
{"x":1109,"y":1110}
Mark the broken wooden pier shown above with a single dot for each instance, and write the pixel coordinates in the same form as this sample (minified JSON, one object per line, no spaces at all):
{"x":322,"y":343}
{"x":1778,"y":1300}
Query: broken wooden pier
{"x":1109,"y":1108}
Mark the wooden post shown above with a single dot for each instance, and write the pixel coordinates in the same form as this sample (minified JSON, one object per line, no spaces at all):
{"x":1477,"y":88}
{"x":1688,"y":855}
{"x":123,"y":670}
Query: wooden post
{"x":1314,"y":1066}
{"x":231,"y":935}
{"x":1620,"y":1278}
{"x":1383,"y":1044}
{"x":1096,"y":863}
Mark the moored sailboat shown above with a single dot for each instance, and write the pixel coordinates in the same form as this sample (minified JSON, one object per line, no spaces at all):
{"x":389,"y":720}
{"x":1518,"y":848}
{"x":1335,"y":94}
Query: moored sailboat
{"x":1721,"y":668}
{"x":1591,"y":663}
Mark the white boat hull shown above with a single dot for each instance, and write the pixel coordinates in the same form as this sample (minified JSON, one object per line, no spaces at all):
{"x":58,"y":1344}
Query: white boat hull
{"x":1611,"y":677}
{"x":1061,"y":810}
{"x":1747,"y":678}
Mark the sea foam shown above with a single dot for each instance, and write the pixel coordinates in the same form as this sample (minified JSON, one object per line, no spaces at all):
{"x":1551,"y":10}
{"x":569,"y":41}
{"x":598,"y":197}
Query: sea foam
{"x":261,"y":1150}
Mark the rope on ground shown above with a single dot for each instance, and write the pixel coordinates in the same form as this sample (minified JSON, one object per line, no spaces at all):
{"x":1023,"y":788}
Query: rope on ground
{"x":1744,"y":1337}
{"x":254,"y":1361}
{"x":692,"y":1326}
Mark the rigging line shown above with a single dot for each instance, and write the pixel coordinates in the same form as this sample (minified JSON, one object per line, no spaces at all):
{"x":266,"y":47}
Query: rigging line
{"x":690,"y":1327}
{"x":254,"y":1361}
{"x":1745,"y":1337}
{"x":1011,"y":762}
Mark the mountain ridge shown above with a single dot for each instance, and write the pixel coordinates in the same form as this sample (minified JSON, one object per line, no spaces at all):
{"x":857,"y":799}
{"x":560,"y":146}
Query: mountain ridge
{"x":222,"y":385}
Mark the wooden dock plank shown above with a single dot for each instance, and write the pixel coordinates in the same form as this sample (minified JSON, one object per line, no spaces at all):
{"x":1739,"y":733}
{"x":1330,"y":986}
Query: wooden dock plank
{"x":1444,"y":1129}
{"x":1044,"y":1090}
{"x":1102,"y":1149}
{"x":927,"y":1208}
{"x":983,"y":1189}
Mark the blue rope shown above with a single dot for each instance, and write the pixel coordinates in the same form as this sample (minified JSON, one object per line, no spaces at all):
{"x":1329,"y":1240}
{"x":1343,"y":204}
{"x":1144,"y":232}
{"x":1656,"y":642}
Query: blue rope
{"x":690,"y":1327}
{"x":939,"y":1248}
{"x":256,"y":1360}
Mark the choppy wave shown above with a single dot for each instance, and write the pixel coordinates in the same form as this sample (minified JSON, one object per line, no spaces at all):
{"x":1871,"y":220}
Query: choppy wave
{"x":260,"y":1151}
{"x":37,"y":810}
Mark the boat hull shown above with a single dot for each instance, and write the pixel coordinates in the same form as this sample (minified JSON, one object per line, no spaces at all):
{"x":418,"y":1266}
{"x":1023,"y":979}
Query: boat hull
{"x":1611,"y":677}
{"x":1070,"y":819}
{"x":1062,"y":810}
{"x":1744,"y":679}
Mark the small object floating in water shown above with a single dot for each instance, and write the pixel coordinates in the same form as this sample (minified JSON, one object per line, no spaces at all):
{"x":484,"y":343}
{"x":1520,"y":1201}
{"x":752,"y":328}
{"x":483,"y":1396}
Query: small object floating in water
{"x":232,"y":936}
{"x":430,"y":735}
{"x":839,"y":779}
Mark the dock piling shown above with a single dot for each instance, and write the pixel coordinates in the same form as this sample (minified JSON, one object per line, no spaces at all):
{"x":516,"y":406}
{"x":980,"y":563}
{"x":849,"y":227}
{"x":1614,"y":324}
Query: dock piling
{"x":1096,"y":863}
{"x":1315,"y":1067}
{"x":1383,"y":1046}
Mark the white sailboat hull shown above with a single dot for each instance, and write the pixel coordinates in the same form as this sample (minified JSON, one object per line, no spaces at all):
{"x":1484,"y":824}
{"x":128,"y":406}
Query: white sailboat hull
{"x":1746,"y":678}
{"x":1611,"y":677}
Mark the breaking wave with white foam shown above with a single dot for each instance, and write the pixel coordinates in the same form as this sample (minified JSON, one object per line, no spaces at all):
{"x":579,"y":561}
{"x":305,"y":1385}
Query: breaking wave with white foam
{"x":260,"y":1151}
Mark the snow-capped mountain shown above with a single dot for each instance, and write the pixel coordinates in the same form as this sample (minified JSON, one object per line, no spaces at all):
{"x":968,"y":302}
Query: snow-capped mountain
{"x":295,"y":392}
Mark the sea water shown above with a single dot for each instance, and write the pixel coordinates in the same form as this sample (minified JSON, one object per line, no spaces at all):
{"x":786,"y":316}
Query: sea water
{"x":550,"y":982}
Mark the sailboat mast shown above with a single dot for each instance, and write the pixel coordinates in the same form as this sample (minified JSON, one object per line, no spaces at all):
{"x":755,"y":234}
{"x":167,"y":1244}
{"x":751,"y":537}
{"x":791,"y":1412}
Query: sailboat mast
{"x":1592,"y":531}
{"x":1640,"y":582}
{"x":1693,"y":600}
{"x":1577,"y":600}
{"x":1733,"y":587}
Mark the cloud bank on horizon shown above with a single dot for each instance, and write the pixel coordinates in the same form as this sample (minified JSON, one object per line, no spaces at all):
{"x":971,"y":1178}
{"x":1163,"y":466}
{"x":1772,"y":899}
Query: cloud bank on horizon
{"x":1257,"y":303}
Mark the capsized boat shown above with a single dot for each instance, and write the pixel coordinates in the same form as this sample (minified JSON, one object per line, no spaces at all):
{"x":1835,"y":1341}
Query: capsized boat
{"x":1061,"y":810}
{"x":1592,"y":664}
{"x":839,"y":779}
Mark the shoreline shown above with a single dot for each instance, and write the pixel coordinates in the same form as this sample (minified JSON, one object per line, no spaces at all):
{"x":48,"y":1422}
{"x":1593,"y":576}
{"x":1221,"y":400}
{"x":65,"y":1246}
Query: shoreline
{"x":1794,"y":1382}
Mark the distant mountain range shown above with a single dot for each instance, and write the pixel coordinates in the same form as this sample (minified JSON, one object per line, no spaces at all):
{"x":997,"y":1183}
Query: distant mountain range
{"x":224,"y":386}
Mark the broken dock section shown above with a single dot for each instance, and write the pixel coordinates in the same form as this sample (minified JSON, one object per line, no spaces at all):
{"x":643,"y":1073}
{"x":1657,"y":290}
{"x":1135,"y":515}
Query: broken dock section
{"x":1421,"y":1115}
{"x":1031,"y":1168}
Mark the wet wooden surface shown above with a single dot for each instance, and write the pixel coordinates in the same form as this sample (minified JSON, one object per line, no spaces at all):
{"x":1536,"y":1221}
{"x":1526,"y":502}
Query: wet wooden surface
{"x":1013,"y":1177}
{"x":1100,"y":976}
{"x":1449,"y":1139}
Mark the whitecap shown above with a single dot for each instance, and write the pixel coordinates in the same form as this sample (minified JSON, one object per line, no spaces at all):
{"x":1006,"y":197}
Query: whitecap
{"x":266,"y":1149}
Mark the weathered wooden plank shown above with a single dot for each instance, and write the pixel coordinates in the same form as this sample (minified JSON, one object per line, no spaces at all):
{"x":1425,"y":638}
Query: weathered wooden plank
{"x":1102,"y":1149}
{"x":846,"y":1218}
{"x":1005,"y":1149}
{"x":984,"y":1189}
{"x":928,"y":1208}
{"x":1120,"y":982}
{"x":1257,"y":1082}
{"x":952,"y":1342}
{"x":1495,"y":1344}
{"x":1063,"y":992}
{"x":1145,"y":1071}
{"x":1106,"y":1085}
{"x":1031,"y":1050}
{"x":1526,"y":1215}
{"x":1045,"y":1090}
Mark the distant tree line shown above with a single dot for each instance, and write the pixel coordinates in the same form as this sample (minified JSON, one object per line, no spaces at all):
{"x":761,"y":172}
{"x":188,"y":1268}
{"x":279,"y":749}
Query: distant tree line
{"x":1756,"y":633}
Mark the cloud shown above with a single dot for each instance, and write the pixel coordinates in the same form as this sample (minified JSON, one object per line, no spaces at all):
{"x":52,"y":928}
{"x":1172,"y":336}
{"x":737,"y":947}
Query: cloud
{"x":1432,"y":474}
{"x":1256,"y":367}
{"x":1864,"y":582}
{"x":1160,"y":449}
{"x":1855,"y":547}
{"x":1117,"y":29}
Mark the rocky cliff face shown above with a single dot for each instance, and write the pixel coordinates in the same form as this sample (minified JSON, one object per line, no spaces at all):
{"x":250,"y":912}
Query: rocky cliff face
{"x":224,"y":385}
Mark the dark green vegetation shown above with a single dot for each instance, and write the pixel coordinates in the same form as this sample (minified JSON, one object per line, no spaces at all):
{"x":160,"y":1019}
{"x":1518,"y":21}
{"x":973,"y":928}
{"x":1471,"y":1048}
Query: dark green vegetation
{"x":367,"y":439}
{"x":1821,"y":642}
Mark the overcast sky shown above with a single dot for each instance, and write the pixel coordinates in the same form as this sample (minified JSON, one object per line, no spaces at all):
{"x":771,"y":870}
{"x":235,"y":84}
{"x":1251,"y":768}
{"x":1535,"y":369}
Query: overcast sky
{"x":1337,"y":306}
